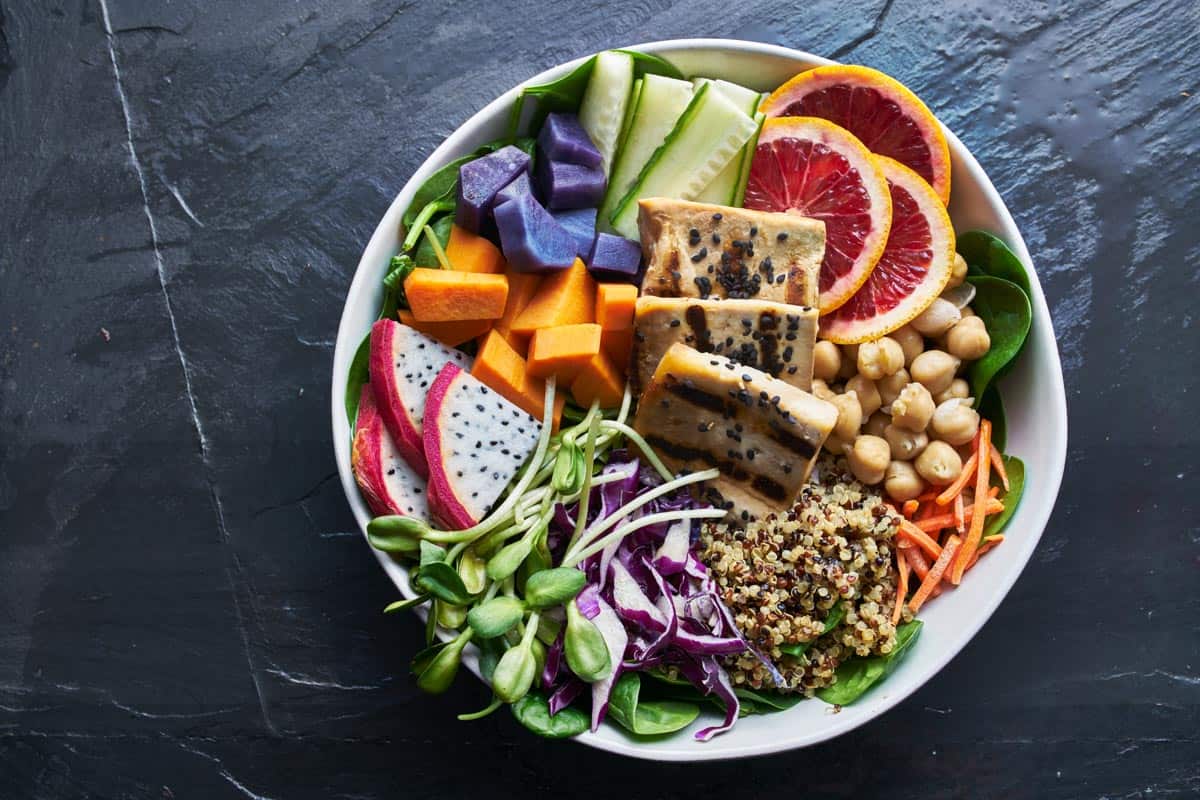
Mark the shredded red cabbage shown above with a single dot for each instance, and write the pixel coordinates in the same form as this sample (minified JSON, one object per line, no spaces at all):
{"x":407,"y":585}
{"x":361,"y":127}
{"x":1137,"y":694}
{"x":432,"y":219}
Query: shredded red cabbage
{"x":653,"y":599}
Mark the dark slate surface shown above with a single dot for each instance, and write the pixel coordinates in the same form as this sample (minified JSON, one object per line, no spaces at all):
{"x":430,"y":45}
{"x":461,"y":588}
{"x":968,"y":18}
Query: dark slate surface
{"x":186,"y":609}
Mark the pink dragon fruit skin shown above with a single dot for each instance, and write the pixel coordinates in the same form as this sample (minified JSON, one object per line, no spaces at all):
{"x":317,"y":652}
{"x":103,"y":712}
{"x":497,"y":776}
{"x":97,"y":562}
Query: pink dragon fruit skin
{"x":388,"y":483}
{"x":403,"y":365}
{"x":475,"y":443}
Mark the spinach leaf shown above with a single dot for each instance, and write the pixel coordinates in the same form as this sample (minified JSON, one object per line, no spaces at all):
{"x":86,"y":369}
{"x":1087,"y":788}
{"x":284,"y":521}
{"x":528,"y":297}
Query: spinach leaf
{"x":566,"y":93}
{"x":421,"y":661}
{"x":856,"y":676}
{"x":533,"y":711}
{"x":424,"y":255}
{"x":836,"y":615}
{"x":357,"y":378}
{"x":1005,"y":310}
{"x":991,"y":408}
{"x":1015,"y":468}
{"x":766,"y":700}
{"x":992,"y":257}
{"x":650,"y":718}
{"x":393,"y":285}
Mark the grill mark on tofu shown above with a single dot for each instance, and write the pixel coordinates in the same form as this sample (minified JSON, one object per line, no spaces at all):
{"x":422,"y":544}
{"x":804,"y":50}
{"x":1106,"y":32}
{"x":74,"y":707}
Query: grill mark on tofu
{"x":688,"y":392}
{"x":769,"y":487}
{"x":791,"y":441}
{"x":684,"y":452}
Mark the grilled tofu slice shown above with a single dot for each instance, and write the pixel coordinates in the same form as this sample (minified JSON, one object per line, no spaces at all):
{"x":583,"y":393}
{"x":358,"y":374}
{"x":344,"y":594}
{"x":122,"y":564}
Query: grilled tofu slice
{"x":703,"y":410}
{"x":702,"y":250}
{"x":774,"y":337}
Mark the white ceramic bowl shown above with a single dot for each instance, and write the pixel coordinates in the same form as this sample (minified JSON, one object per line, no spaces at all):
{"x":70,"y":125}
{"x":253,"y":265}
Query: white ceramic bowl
{"x":1033,"y":393}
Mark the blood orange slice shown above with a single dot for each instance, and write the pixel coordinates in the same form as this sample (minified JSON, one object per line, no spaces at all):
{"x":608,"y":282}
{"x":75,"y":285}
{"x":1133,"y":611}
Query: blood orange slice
{"x":888,"y":118}
{"x":812,"y":167}
{"x":914,"y":268}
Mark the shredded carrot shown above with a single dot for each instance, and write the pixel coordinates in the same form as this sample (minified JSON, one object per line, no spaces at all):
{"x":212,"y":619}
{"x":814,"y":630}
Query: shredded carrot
{"x":960,"y":517}
{"x":994,"y":491}
{"x":928,"y":497}
{"x":901,"y":587}
{"x":988,"y":544}
{"x":910,"y":508}
{"x":998,"y":465}
{"x":971,"y":543}
{"x":960,"y":483}
{"x":920,"y":565}
{"x":936,"y":572}
{"x":941,"y":521}
{"x":919,"y":538}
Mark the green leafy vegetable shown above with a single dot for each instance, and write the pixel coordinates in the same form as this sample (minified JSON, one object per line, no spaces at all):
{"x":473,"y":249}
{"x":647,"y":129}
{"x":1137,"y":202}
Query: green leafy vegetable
{"x":425,"y":255}
{"x":767,"y":700}
{"x":400,"y":605}
{"x":566,"y":93}
{"x":533,"y":711}
{"x":991,"y":256}
{"x":441,"y":580}
{"x":357,"y":378}
{"x":393,"y":285}
{"x":490,"y":651}
{"x":856,"y":676}
{"x":836,"y":615}
{"x":991,"y":408}
{"x":1005,"y":310}
{"x":650,"y":718}
{"x":553,"y":587}
{"x":1015,"y":469}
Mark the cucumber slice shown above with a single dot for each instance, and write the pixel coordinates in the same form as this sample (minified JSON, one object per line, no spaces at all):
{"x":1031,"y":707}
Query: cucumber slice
{"x":658,"y":107}
{"x":709,"y":134}
{"x":739,"y":194}
{"x":728,"y":187}
{"x":634,"y":97}
{"x":605,"y":100}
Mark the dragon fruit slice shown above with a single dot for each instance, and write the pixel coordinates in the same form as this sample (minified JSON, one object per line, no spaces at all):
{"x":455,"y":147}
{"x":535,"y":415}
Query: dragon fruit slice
{"x":475,"y":442}
{"x":403,"y":364}
{"x":388,"y":483}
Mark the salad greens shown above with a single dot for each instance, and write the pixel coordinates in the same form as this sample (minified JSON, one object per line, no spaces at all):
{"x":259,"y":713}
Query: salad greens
{"x":1005,"y":310}
{"x":533,"y":711}
{"x":991,"y":256}
{"x":648,"y":718}
{"x":991,"y":407}
{"x":857,"y":675}
{"x":1015,"y":469}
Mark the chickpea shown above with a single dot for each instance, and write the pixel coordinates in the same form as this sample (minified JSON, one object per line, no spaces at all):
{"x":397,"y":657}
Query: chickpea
{"x":958,"y":388}
{"x":849,"y":367}
{"x":968,"y":339}
{"x":836,"y":445}
{"x":827,"y":360}
{"x":876,"y":424}
{"x":958,"y":272}
{"x":955,"y":422}
{"x":937,"y":319}
{"x":849,"y":416}
{"x":890,"y":387}
{"x":868,"y":395}
{"x":935,"y":370}
{"x":880,"y":358}
{"x":939,"y":464}
{"x":821,"y":390}
{"x":906,"y":445}
{"x":913,"y":408}
{"x":902,"y":481}
{"x":911,"y":342}
{"x":869,"y":459}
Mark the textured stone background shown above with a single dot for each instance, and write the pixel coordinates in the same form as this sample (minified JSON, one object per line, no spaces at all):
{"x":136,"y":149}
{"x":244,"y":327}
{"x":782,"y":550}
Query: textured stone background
{"x":186,"y":609}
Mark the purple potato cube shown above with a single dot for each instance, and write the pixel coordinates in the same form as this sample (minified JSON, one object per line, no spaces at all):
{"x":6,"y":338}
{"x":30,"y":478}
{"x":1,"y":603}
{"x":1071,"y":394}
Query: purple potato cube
{"x":564,"y":139}
{"x":481,"y":179}
{"x":531,"y":239}
{"x":614,"y":258}
{"x":581,"y":224}
{"x":519,"y":186}
{"x":564,"y":185}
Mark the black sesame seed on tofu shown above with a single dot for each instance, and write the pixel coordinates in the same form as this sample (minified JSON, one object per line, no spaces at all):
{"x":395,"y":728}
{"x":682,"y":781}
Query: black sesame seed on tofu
{"x":675,"y":323}
{"x":782,"y":237}
{"x":753,"y":231}
{"x":716,"y":238}
{"x":717,"y":217}
{"x":700,"y":255}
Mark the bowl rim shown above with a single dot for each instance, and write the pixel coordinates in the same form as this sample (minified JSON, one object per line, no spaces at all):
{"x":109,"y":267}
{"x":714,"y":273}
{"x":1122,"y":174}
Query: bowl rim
{"x":348,"y":341}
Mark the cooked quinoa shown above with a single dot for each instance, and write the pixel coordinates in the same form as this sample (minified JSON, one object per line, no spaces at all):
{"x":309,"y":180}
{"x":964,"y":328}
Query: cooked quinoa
{"x":782,"y":575}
